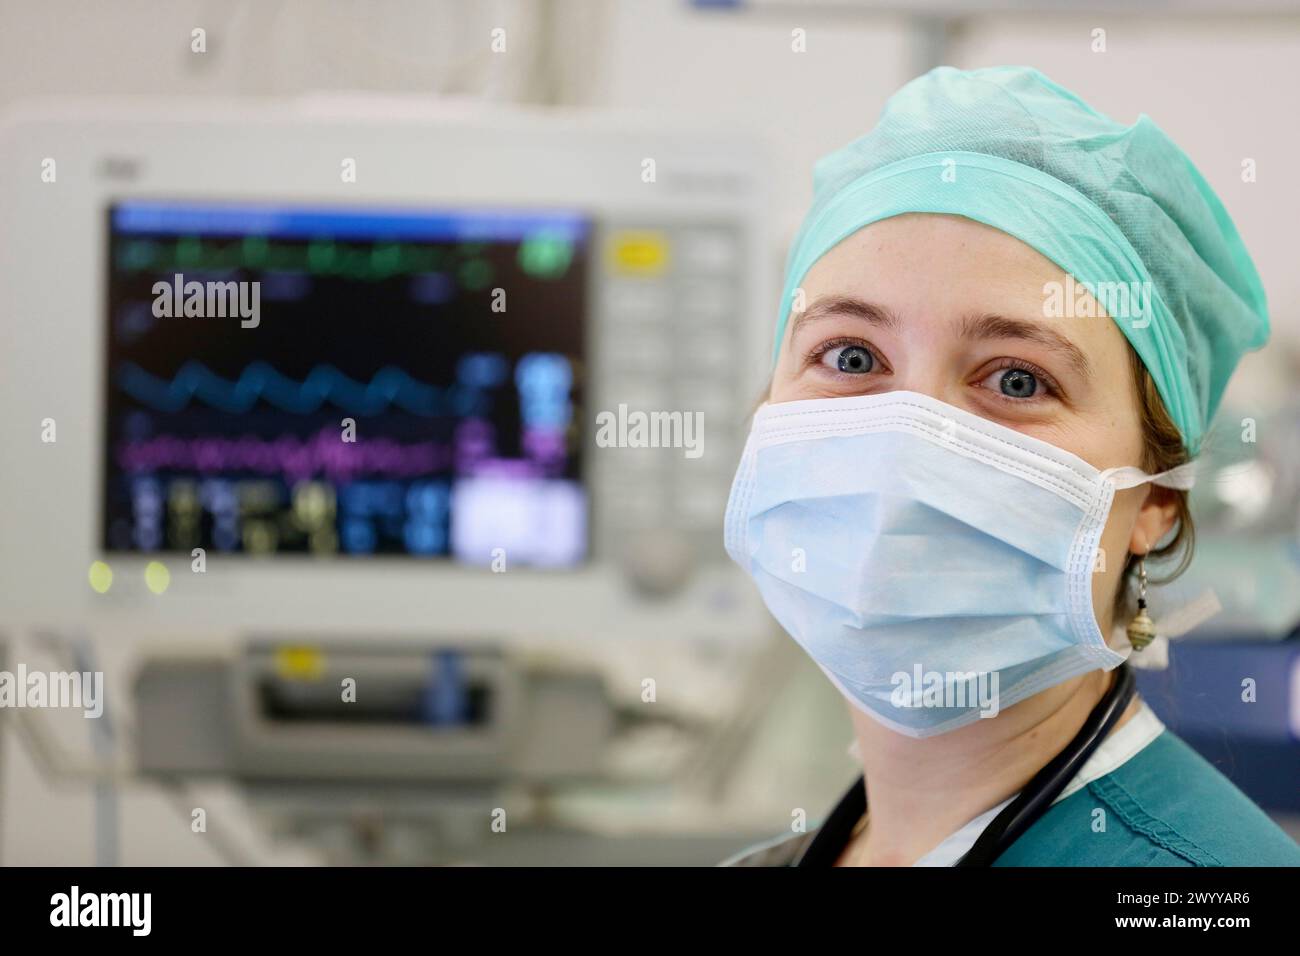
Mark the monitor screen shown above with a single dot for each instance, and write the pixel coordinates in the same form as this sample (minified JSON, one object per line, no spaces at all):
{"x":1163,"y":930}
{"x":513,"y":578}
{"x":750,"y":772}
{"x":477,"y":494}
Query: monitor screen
{"x":286,"y":379}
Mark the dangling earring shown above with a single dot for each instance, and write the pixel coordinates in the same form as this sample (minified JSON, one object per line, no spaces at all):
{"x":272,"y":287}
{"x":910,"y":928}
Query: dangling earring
{"x":1141,"y":630}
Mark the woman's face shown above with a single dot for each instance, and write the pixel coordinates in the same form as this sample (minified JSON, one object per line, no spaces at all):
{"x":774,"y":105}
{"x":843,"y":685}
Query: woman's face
{"x":954,"y":309}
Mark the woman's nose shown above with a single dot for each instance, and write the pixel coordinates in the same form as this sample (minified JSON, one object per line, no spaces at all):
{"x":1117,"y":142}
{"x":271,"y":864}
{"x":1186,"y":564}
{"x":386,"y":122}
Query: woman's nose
{"x":931,"y":383}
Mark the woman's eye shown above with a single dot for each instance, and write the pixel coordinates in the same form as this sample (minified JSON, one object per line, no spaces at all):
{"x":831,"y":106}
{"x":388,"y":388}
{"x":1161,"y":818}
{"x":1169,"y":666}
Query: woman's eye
{"x":1015,"y":382}
{"x":853,"y":359}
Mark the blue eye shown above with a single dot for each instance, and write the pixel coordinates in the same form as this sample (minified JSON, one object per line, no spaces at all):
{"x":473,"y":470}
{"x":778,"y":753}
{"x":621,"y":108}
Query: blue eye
{"x":1017,"y":383}
{"x":852,"y":359}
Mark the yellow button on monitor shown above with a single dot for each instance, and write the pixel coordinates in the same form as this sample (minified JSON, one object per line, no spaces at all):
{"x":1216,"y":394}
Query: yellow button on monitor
{"x":101,"y":577}
{"x":157,"y":577}
{"x":638,"y":253}
{"x":301,"y":663}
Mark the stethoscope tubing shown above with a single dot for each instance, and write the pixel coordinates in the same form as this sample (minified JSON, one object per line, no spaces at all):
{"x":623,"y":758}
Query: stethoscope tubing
{"x":1037,"y":796}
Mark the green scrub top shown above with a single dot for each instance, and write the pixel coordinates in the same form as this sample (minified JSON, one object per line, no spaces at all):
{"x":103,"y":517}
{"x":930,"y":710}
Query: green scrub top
{"x":1164,"y":806}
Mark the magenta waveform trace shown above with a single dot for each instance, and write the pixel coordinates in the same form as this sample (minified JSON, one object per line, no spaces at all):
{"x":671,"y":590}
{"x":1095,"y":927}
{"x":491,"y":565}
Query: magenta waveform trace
{"x":294,"y":458}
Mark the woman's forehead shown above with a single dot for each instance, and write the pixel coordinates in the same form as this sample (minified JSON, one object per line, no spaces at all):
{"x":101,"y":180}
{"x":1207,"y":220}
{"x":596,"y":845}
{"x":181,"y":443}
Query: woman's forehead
{"x":941,"y":274}
{"x":933,"y":251}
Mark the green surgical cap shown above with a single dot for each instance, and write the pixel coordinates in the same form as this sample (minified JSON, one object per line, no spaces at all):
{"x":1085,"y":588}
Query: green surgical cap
{"x":1119,"y":208}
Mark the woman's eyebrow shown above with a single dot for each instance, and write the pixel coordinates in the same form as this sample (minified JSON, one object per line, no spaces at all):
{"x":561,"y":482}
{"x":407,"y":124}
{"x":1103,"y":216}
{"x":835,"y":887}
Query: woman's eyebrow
{"x":1001,"y":327}
{"x":986,"y":326}
{"x":845,"y":305}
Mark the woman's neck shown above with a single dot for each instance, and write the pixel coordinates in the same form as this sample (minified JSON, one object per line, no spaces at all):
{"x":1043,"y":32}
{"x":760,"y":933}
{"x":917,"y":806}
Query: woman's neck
{"x":921,"y":791}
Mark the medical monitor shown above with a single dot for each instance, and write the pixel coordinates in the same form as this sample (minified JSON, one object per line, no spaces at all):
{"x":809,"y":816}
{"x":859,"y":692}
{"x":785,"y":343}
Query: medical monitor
{"x":345,"y":380}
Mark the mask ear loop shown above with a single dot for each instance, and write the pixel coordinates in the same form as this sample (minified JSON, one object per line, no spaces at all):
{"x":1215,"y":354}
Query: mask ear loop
{"x":1182,"y":478}
{"x":1150,"y":650}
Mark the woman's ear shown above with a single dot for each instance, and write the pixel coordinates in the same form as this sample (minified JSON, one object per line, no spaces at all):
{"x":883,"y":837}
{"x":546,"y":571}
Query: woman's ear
{"x":1154,"y":519}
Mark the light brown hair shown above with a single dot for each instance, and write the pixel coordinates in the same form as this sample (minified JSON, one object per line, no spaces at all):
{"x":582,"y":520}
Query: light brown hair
{"x":1162,"y":449}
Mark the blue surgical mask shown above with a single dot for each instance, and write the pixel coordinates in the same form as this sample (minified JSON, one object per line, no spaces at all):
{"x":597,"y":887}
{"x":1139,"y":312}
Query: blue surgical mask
{"x":935,"y":565}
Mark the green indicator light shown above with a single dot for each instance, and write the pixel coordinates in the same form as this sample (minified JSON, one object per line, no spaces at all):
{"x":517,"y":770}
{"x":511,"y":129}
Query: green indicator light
{"x":139,"y":254}
{"x":288,"y":258}
{"x":320,"y":256}
{"x":255,"y":250}
{"x":355,"y":263}
{"x":189,"y":251}
{"x":475,"y":274}
{"x":386,"y":259}
{"x":545,"y":256}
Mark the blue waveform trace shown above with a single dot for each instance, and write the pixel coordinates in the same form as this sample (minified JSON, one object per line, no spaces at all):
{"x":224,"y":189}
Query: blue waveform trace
{"x":259,"y":380}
